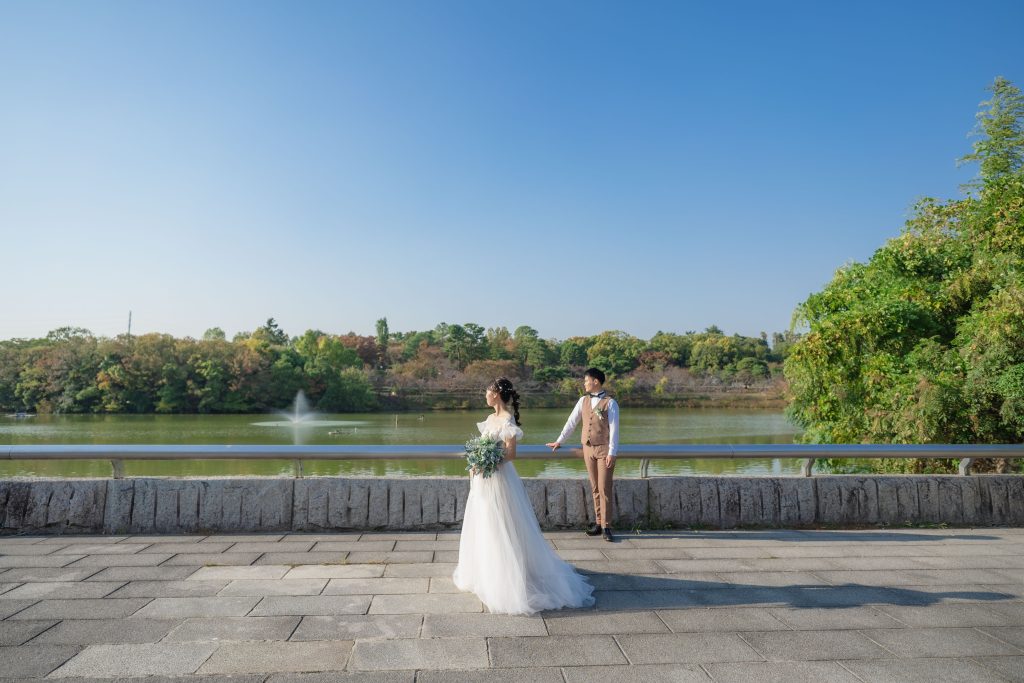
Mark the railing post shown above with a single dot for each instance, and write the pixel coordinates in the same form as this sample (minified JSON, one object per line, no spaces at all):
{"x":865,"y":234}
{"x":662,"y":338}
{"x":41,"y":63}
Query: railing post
{"x":965,"y":466}
{"x":118,"y":466}
{"x":806,"y":466}
{"x":645,"y":464}
{"x":297,"y":471}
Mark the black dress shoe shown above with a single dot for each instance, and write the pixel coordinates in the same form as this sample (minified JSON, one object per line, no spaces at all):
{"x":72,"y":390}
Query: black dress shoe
{"x":608,"y":534}
{"x":593,"y":530}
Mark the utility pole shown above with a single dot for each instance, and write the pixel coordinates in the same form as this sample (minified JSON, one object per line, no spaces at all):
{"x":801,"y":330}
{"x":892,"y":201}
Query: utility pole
{"x":129,"y":325}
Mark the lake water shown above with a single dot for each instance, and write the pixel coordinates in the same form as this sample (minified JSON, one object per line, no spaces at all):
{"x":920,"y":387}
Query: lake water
{"x":639,"y":426}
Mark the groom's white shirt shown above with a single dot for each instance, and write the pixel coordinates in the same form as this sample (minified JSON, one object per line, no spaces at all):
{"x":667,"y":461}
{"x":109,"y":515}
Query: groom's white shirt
{"x":577,"y":415}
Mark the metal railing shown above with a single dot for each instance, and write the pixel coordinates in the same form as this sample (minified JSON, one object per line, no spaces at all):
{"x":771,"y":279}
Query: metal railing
{"x":117,"y":454}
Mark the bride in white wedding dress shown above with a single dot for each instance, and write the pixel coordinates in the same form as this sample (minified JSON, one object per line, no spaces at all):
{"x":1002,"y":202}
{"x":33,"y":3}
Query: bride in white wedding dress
{"x":503,"y":557}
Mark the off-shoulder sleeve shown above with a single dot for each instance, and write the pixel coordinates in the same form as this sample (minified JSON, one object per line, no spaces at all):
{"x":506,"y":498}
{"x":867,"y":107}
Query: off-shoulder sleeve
{"x":510,"y":430}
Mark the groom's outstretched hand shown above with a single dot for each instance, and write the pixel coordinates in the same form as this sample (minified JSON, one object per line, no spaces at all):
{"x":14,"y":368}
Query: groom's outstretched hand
{"x":553,"y":446}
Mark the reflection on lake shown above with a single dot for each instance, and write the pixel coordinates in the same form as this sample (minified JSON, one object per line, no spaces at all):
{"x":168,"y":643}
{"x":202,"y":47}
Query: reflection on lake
{"x":639,"y":426}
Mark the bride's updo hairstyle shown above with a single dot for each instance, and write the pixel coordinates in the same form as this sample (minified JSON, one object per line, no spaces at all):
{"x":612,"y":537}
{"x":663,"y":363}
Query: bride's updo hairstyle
{"x":503,"y":388}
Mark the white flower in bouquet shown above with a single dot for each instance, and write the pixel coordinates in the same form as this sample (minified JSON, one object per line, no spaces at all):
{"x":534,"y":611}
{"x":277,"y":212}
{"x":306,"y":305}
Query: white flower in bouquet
{"x":483,"y":454}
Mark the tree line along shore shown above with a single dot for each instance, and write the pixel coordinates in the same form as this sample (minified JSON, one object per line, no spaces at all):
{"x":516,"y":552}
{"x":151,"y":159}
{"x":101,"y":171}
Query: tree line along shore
{"x":73,"y":371}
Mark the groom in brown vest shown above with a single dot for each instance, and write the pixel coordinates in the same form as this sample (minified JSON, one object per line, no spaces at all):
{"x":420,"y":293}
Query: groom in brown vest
{"x":600,"y":415}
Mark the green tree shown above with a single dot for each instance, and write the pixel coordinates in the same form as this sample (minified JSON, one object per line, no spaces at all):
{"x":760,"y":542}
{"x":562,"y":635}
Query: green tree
{"x":214,"y":334}
{"x":924,"y":343}
{"x":383,"y":341}
{"x":1000,"y":148}
{"x":615,"y":352}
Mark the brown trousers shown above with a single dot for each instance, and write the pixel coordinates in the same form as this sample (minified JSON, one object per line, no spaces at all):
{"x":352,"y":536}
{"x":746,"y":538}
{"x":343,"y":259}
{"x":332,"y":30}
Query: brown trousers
{"x":600,"y":482}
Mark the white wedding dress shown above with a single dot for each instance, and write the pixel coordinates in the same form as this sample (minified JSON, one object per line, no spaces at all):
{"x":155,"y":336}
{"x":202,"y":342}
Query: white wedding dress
{"x":503,"y":557}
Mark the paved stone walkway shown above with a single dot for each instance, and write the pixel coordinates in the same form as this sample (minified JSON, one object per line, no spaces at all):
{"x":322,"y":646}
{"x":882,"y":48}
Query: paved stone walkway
{"x":878,"y":605}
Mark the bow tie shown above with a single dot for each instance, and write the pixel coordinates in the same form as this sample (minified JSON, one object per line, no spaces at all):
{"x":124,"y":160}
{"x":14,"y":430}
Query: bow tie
{"x":597,"y":395}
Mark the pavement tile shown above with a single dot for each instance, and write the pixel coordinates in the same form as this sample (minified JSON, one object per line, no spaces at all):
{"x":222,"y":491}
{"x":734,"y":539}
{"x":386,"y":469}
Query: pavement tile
{"x":533,"y":675}
{"x":853,"y":596}
{"x":923,"y":671}
{"x":394,"y":557}
{"x":316,"y":538}
{"x":668,"y":554}
{"x":683,"y":648}
{"x":168,"y":538}
{"x":183,"y":608}
{"x":481,"y":625}
{"x":640,"y":673}
{"x":581,"y":555}
{"x":90,"y":631}
{"x":213,"y":559}
{"x":10,"y":607}
{"x":232,"y":573}
{"x":233,"y":628}
{"x":399,"y":536}
{"x":731,"y":619}
{"x":21,"y":540}
{"x":444,"y":555}
{"x":33,"y":661}
{"x":781,"y":672}
{"x":969,"y":614}
{"x":555,"y":651}
{"x":721,"y":553}
{"x":110,"y":661}
{"x":81,"y":538}
{"x":270,"y":657}
{"x":409,"y":653}
{"x":607,"y":623}
{"x":1010,"y":667}
{"x":622,"y":567}
{"x":427,"y":603}
{"x":316,"y":605}
{"x":41,"y":574}
{"x":26,"y":549}
{"x":243,"y":538}
{"x":140,"y":573}
{"x":637,"y":582}
{"x":336,"y":571}
{"x":442,"y":585}
{"x":13,"y":633}
{"x":376,"y":586}
{"x":271,"y":547}
{"x":810,"y":645}
{"x":833,"y":618}
{"x":769,"y":578}
{"x":275,"y":587}
{"x":101,"y":608}
{"x":16,"y":561}
{"x":350,"y":545}
{"x":1014,"y":635}
{"x":7,"y":587}
{"x":645,"y":600}
{"x":303,"y":558}
{"x":940,"y":642}
{"x":101,"y":549}
{"x":445,"y":569}
{"x":426,"y":545}
{"x":63,"y":590}
{"x":135,"y":560}
{"x":169,"y":589}
{"x":339,"y":677}
{"x":358,"y":627}
{"x":187,"y":548}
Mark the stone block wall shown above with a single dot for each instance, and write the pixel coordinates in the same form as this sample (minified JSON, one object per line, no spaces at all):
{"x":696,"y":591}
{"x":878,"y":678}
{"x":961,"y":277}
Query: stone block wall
{"x":330,"y":503}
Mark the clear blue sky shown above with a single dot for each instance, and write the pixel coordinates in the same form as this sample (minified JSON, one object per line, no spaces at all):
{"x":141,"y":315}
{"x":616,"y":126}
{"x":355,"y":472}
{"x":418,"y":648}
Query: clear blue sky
{"x":574,"y":166}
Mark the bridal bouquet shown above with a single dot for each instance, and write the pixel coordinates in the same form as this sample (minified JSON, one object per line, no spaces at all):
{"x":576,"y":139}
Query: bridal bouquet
{"x":483,"y":454}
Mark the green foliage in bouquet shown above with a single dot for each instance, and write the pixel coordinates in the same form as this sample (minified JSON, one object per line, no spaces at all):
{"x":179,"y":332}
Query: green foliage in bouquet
{"x":484,"y":454}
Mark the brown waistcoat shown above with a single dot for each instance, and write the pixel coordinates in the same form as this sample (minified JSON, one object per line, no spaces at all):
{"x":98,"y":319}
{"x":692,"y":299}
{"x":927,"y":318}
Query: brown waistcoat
{"x":595,"y":431}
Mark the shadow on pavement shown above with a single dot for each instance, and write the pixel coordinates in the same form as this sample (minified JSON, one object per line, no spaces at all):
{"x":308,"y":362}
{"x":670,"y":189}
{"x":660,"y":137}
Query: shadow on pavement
{"x":632,"y":592}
